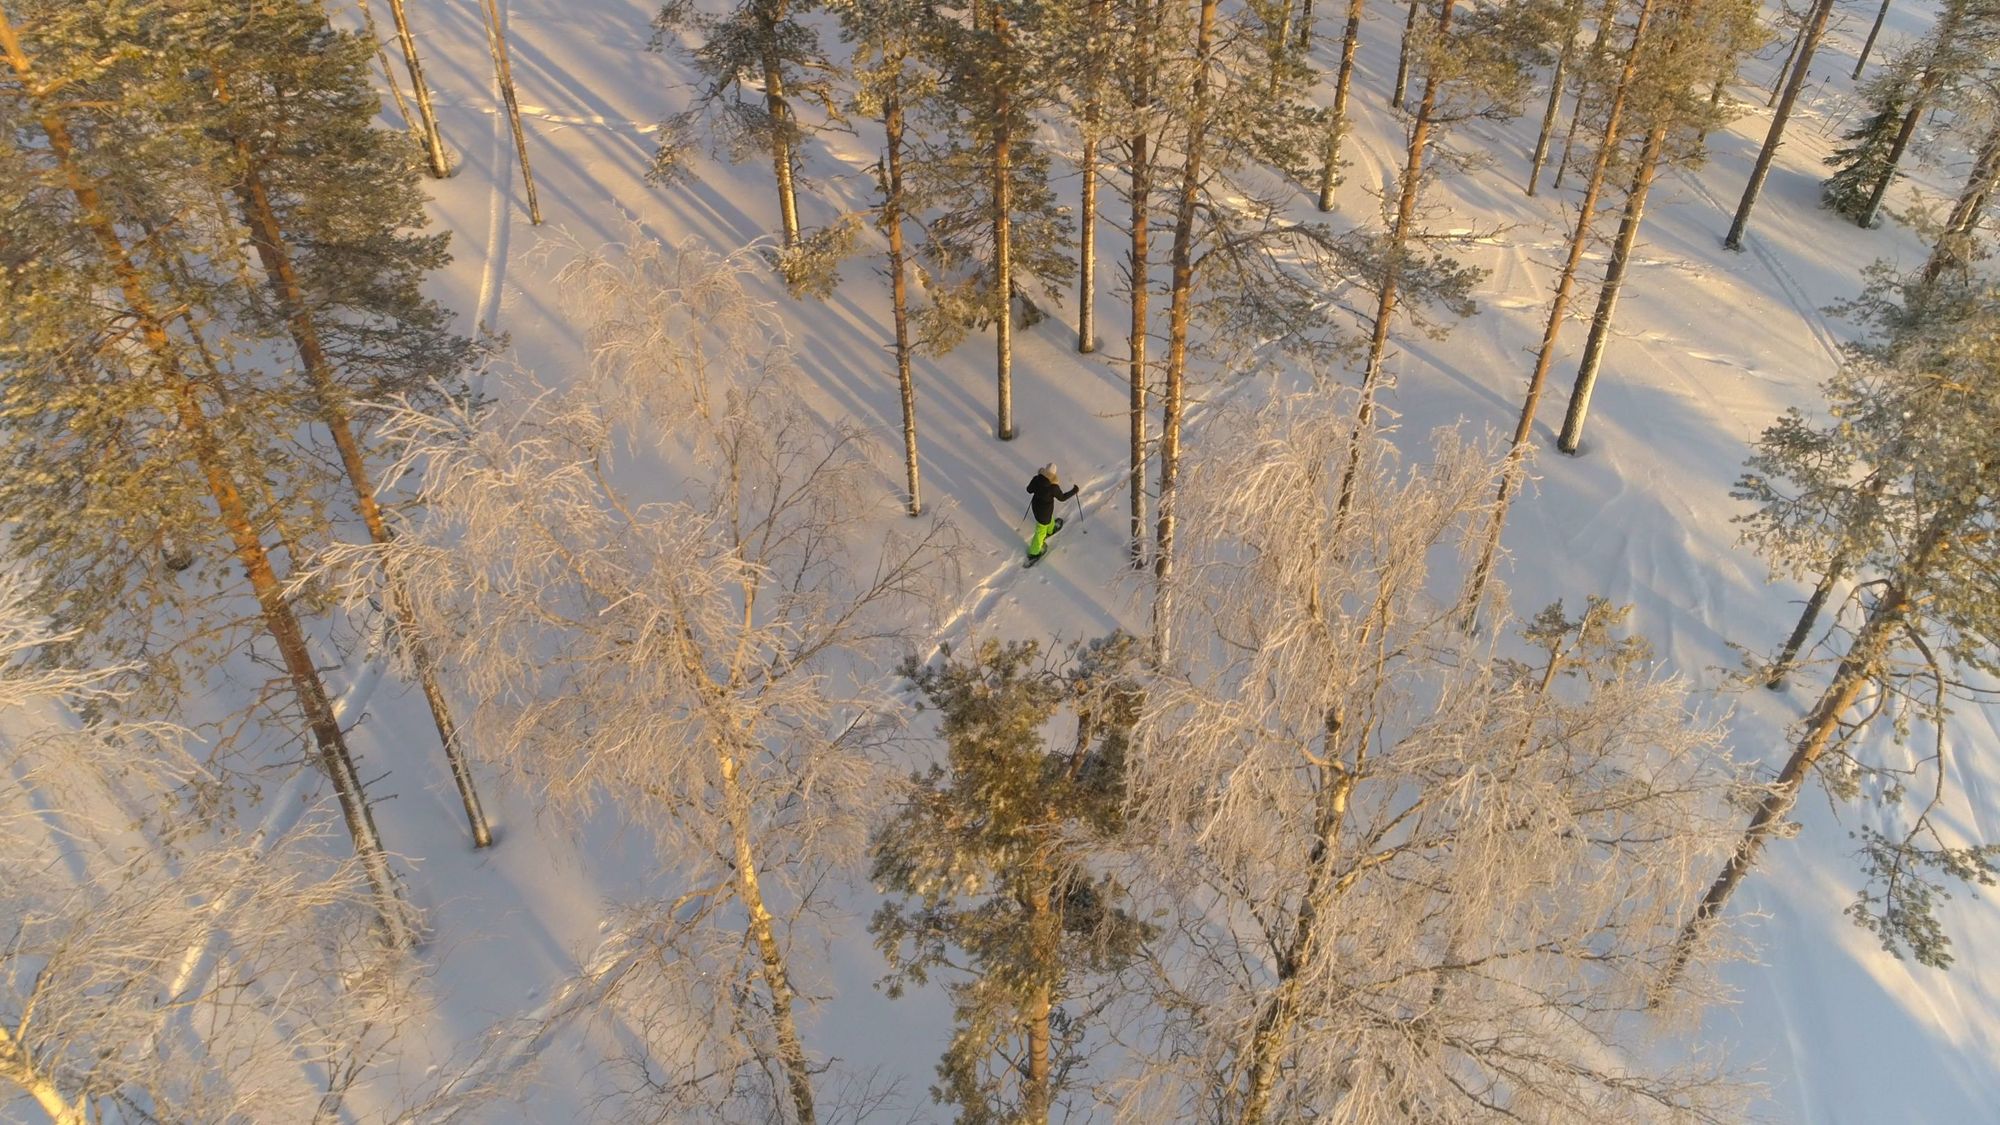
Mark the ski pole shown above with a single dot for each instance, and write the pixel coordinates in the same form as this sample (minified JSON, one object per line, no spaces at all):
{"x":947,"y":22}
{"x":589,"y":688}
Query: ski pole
{"x":1078,"y":501}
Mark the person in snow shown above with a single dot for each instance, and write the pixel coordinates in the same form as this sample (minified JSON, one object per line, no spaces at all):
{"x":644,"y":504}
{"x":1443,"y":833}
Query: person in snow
{"x":1045,"y":490}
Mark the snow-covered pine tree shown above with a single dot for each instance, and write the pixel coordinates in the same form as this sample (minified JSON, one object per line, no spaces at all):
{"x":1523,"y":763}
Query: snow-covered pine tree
{"x":328,"y":205}
{"x":131,"y":422}
{"x":686,"y":653}
{"x":1954,"y":243}
{"x":153,"y":966}
{"x":989,"y":247}
{"x":1961,"y":44}
{"x":753,"y":45}
{"x":1903,"y":483}
{"x":1417,"y":877}
{"x":1862,"y":162}
{"x":989,"y":862}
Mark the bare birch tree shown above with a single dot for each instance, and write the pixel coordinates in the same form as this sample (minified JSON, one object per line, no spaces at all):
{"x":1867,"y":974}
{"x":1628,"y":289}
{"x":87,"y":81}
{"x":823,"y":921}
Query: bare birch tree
{"x":1416,"y":877}
{"x":681,"y":654}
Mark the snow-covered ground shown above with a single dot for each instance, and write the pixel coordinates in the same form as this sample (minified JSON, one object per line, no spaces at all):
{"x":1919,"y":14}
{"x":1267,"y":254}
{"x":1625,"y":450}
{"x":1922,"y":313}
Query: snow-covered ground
{"x":1711,"y":346}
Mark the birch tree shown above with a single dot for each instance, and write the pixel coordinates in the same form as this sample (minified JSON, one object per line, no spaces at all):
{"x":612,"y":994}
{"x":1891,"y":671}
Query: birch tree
{"x":684,"y":655}
{"x":1416,"y":877}
{"x":153,"y":967}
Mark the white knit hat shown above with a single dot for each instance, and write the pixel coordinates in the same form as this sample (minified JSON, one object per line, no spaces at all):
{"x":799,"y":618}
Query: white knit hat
{"x":1049,"y":471}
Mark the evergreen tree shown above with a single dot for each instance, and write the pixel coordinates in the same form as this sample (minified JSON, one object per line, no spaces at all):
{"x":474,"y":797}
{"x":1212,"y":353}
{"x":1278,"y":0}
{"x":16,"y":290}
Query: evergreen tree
{"x":989,"y":862}
{"x":1336,"y":121}
{"x":1900,"y":483}
{"x":761,"y":44}
{"x":1963,"y":41}
{"x":1864,"y":160}
{"x":1803,"y":47}
{"x":1566,"y":25}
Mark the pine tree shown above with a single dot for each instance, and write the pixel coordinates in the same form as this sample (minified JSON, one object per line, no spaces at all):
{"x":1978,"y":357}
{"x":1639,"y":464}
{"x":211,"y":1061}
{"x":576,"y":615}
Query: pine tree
{"x":1952,"y":245}
{"x":433,"y":138}
{"x":1900,"y":483}
{"x":503,"y":78}
{"x":198,"y":445}
{"x":989,"y":860}
{"x":1336,"y":122}
{"x":1567,"y":25}
{"x":329,"y":210}
{"x":762,"y":44}
{"x":990,"y":247}
{"x":1864,"y":160}
{"x":1965,"y":38}
{"x":1807,"y":43}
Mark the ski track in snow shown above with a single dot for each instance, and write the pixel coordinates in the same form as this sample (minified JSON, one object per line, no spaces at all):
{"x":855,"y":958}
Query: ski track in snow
{"x":1795,"y":293}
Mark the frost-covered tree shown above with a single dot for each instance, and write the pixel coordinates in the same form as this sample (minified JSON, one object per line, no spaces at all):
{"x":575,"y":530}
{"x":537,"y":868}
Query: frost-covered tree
{"x":753,"y":45}
{"x":152,"y":969}
{"x":1415,"y":876}
{"x":1900,"y":485}
{"x":989,"y":860}
{"x":685,"y":653}
{"x":1962,"y":43}
{"x":1864,"y":159}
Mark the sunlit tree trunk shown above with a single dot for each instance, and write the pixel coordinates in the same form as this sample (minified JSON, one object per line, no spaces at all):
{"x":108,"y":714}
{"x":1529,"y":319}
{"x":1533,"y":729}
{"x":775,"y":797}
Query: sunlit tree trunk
{"x":1808,"y":44}
{"x":503,"y":73}
{"x":1607,"y":295}
{"x":419,"y":89}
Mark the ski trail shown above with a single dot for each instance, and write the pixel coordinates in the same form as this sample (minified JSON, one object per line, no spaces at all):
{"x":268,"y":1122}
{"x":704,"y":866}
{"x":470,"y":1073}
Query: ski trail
{"x":1794,"y":293}
{"x":499,"y":222}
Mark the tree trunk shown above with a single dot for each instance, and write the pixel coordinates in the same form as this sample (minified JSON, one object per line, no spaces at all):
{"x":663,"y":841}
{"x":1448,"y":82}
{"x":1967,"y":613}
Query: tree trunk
{"x":1790,"y":654}
{"x":1785,"y":68}
{"x":1038,"y":1089}
{"x":231,"y":510}
{"x":1809,"y":43}
{"x":1268,"y":1041}
{"x":16,"y":1067}
{"x":1856,"y":671}
{"x":1399,"y":233}
{"x":1952,"y":245}
{"x":1868,"y":45}
{"x":1524,"y":426}
{"x":1329,"y":169}
{"x":1607,"y":295}
{"x":1140,"y":265}
{"x":1181,"y":305}
{"x":780,"y":112}
{"x":1277,"y":38}
{"x":1904,"y":132}
{"x":1403,"y":57}
{"x":1003,"y":234}
{"x":433,"y":139}
{"x":275,"y":254}
{"x":1086,"y":250}
{"x":1607,"y":16}
{"x":892,"y":224}
{"x":503,"y":73}
{"x":770,"y":955}
{"x":410,"y":121}
{"x":1574,"y":16}
{"x":1305,"y":26}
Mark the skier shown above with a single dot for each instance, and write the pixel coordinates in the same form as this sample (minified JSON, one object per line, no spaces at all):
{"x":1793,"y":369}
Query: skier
{"x":1046,"y":489}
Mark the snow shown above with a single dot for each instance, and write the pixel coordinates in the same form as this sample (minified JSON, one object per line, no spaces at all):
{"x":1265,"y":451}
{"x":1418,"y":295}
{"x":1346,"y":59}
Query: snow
{"x":1711,"y":346}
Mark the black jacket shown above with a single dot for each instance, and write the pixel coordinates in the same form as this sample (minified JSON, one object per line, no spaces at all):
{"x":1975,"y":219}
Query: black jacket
{"x":1046,"y":494}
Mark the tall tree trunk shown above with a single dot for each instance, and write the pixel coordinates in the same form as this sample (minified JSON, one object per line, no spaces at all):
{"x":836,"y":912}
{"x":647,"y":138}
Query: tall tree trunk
{"x":275,"y":253}
{"x":1857,"y":669}
{"x":1785,"y":69}
{"x":1815,"y":26}
{"x":1003,"y":231}
{"x":1607,"y":295}
{"x":892,"y":224}
{"x":1524,"y":426}
{"x":1403,"y":57}
{"x":233,"y":513}
{"x":1952,"y":245}
{"x":770,"y":955}
{"x":1788,"y":657}
{"x":410,"y":121}
{"x":1897,"y":147}
{"x":1277,"y":37}
{"x":780,"y":112}
{"x":1086,"y":251}
{"x":1038,"y":1087}
{"x":1144,"y":61}
{"x":433,"y":139}
{"x":1607,"y":17}
{"x":503,"y":73}
{"x":1305,"y":26}
{"x":1392,"y":265}
{"x":1573,"y":17}
{"x":1329,"y":168}
{"x":1868,"y":45}
{"x":1180,"y":308}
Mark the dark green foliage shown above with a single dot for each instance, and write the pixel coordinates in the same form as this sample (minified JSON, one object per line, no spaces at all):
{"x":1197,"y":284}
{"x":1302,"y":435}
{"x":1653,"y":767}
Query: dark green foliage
{"x":987,"y":864}
{"x":1903,"y":912}
{"x":1864,"y":160}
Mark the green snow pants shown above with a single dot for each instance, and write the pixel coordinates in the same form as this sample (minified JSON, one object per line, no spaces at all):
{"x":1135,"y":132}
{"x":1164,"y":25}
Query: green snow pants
{"x":1041,"y":540}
